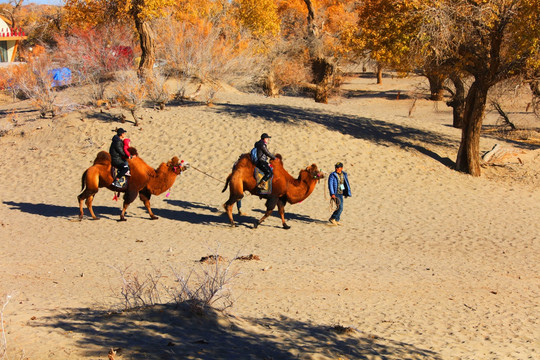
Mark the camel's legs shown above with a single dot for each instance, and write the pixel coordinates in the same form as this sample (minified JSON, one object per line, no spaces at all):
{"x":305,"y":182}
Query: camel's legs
{"x":281,"y":209}
{"x":81,"y":212}
{"x":128,"y":199}
{"x":270,"y":205}
{"x":89,"y":198}
{"x":145,"y":198}
{"x":89,"y":205}
{"x":228,"y":206}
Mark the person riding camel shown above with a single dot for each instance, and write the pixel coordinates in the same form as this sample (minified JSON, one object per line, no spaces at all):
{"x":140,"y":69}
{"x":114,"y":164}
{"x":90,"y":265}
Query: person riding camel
{"x":119,"y":157}
{"x":262,"y":159}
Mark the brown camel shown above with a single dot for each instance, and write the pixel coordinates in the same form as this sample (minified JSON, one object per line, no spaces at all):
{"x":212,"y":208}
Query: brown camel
{"x":285,"y":188}
{"x":144,"y":181}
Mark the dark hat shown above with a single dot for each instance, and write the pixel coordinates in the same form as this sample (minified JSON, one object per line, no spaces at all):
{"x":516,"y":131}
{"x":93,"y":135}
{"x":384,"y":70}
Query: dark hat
{"x":339,"y":165}
{"x":265,"y":136}
{"x":120,"y":131}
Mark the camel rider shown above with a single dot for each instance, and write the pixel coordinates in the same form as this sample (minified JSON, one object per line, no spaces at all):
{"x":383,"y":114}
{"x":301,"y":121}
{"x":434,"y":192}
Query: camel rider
{"x":262,"y":159}
{"x":119,"y":157}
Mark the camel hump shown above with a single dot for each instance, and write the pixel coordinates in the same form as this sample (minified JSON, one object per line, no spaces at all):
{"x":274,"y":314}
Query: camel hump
{"x":102,"y":158}
{"x":133,"y":151}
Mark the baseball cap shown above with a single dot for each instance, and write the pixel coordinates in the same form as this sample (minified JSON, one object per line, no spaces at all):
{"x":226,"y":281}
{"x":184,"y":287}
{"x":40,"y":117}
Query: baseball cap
{"x":339,"y":165}
{"x":265,"y":136}
{"x":120,"y":131}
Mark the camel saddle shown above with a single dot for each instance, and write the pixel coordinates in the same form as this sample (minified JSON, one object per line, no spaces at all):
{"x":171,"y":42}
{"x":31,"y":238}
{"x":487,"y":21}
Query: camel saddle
{"x":123,"y":180}
{"x":268,"y":187}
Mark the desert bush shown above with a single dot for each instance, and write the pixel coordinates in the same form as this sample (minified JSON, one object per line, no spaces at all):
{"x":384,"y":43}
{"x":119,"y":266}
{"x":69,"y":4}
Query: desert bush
{"x":206,"y":287}
{"x":3,"y":340}
{"x":9,"y":77}
{"x":4,"y":353}
{"x":157,"y":92}
{"x":129,"y":93}
{"x":202,"y":288}
{"x":202,"y":54}
{"x":140,"y":291}
{"x":95,"y":54}
{"x":36,"y":84}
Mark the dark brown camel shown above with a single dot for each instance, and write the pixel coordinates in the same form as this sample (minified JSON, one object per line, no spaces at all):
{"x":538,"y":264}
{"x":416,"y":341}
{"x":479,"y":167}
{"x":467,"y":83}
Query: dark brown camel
{"x":285,"y":188}
{"x":144,"y":181}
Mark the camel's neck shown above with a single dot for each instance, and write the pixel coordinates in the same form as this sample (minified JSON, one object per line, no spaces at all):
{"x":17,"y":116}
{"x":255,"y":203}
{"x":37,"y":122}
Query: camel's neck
{"x":299,"y":189}
{"x":162,"y":181}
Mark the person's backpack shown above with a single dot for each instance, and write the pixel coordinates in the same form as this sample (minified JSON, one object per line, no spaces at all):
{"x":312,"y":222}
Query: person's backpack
{"x":254,"y":157}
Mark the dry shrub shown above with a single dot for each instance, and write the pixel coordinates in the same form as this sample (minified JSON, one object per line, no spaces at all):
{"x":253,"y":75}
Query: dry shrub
{"x":207,"y":287}
{"x":3,"y":340}
{"x":157,"y":92}
{"x":202,"y":288}
{"x":129,"y":93}
{"x":140,"y":291}
{"x":202,"y":54}
{"x":95,"y":54}
{"x":36,"y":84}
{"x":290,"y":73}
{"x":4,"y":353}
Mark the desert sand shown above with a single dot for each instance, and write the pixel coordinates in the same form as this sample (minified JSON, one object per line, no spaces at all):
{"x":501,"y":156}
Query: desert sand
{"x":429,"y":263}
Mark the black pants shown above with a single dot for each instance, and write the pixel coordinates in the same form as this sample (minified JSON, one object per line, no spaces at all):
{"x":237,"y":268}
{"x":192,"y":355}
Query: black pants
{"x":265,"y":168}
{"x":122,"y":167}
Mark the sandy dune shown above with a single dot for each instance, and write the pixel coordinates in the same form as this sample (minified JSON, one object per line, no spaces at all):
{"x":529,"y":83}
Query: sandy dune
{"x":429,"y":263}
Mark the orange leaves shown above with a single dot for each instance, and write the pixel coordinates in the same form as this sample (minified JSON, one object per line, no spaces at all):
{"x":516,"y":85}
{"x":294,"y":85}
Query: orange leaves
{"x":259,"y":16}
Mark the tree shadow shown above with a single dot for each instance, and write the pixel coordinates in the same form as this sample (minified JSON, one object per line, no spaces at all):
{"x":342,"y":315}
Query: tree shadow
{"x":60,"y":211}
{"x":389,"y":94}
{"x":175,"y":332}
{"x":377,"y":131}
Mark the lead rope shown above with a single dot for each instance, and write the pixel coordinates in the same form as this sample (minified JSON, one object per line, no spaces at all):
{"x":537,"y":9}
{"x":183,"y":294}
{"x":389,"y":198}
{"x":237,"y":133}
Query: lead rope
{"x":210,"y":176}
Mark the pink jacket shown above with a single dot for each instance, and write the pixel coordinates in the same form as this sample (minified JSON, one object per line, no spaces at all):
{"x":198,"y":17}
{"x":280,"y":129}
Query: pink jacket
{"x":126,"y":147}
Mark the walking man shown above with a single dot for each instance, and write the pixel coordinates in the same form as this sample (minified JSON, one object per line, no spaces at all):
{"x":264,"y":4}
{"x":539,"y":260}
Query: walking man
{"x":338,"y":184}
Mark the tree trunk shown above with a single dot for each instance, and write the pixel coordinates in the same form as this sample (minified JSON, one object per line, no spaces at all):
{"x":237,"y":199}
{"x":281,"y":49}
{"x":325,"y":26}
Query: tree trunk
{"x":270,"y":87}
{"x":323,"y":73}
{"x":146,"y":39}
{"x":468,"y":159}
{"x":458,"y":101}
{"x":379,"y":73}
{"x":436,"y":86}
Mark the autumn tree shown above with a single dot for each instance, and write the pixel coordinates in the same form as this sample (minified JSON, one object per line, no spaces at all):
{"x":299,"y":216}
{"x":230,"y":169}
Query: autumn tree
{"x":138,"y":12}
{"x":328,"y":27}
{"x":10,"y":11}
{"x":492,"y":41}
{"x":386,"y":28}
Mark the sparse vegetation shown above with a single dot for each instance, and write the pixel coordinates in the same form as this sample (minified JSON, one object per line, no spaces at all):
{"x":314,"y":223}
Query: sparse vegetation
{"x":206,"y":286}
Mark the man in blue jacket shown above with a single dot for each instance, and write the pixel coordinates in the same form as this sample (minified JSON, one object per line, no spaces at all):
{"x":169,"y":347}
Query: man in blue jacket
{"x":338,"y":184}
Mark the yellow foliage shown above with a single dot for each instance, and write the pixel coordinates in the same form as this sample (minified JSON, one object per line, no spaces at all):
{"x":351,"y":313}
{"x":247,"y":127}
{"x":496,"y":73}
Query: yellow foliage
{"x":259,"y":16}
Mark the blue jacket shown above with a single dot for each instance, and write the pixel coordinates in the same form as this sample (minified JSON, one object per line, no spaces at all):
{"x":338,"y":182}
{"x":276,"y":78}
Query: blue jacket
{"x":333,"y":182}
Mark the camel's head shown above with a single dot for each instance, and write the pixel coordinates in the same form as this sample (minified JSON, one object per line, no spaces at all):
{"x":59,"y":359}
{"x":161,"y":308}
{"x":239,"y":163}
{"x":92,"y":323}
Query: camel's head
{"x":314,"y":172}
{"x":177,"y":166}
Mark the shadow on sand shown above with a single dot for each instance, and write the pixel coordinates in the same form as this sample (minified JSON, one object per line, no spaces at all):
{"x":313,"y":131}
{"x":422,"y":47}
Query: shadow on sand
{"x":376,"y":131}
{"x":59,"y":211}
{"x":171,"y":332}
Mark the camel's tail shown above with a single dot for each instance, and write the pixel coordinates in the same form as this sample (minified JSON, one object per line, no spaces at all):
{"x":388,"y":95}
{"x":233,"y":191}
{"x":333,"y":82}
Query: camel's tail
{"x":227,"y":182}
{"x":83,"y":180}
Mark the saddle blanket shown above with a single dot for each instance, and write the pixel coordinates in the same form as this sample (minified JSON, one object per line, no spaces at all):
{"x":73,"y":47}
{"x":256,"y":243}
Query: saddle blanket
{"x":258,"y":176}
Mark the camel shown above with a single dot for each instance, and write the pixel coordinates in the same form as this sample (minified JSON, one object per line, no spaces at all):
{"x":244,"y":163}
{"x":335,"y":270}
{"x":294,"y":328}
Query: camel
{"x":285,"y":188}
{"x":144,"y":181}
